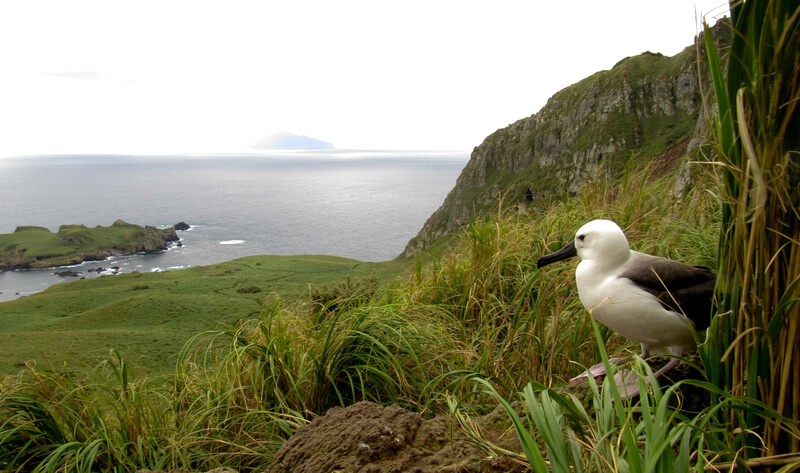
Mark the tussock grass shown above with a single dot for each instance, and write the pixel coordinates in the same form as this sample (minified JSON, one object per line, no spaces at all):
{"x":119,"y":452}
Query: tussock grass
{"x":63,"y":421}
{"x":560,"y":432}
{"x":756,"y":338}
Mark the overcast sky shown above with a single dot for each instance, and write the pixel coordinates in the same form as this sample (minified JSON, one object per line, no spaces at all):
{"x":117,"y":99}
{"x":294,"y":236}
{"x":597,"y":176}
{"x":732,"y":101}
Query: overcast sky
{"x":199,"y":76}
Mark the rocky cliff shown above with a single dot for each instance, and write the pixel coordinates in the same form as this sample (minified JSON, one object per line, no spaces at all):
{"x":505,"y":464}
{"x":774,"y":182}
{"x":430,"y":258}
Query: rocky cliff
{"x":645,"y":108}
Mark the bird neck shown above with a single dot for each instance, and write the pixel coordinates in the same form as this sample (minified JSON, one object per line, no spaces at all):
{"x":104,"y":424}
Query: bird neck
{"x":606,"y":263}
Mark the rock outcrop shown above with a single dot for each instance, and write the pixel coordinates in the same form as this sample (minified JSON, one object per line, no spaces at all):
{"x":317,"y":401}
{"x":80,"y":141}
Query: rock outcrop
{"x":642,"y":109}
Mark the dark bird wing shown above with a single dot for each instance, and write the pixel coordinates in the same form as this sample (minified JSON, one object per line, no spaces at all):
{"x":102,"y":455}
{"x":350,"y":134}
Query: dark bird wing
{"x":685,"y":289}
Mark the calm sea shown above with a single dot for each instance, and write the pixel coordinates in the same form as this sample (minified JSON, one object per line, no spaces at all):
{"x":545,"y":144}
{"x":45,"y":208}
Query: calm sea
{"x":358,"y":204}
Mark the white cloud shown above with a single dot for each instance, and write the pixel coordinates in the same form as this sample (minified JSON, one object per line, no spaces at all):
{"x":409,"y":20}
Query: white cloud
{"x":214,"y":76}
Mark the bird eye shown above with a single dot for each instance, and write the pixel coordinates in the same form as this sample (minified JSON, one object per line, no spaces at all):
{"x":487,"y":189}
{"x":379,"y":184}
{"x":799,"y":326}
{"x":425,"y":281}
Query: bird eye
{"x":581,"y":237}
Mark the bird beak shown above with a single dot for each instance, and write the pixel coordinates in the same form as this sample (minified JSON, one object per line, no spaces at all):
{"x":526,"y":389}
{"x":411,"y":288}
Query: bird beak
{"x":567,"y":252}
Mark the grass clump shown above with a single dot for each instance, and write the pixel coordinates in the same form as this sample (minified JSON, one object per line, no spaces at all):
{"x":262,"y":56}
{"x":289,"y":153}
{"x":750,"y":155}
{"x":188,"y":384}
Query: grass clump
{"x":755,"y":340}
{"x":340,"y":295}
{"x":63,"y":421}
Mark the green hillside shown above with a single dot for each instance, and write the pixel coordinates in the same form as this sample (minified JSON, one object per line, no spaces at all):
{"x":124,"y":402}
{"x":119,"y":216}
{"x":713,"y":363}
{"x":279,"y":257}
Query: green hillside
{"x":150,"y":316}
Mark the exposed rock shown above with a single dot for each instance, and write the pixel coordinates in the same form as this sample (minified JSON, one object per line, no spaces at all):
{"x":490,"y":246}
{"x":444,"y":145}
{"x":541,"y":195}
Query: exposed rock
{"x":154,"y":240}
{"x":181,"y":226}
{"x":67,"y":274}
{"x":366,"y":437}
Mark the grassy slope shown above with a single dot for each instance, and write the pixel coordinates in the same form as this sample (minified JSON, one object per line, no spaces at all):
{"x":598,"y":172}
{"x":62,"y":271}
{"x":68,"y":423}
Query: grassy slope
{"x":149,"y":316}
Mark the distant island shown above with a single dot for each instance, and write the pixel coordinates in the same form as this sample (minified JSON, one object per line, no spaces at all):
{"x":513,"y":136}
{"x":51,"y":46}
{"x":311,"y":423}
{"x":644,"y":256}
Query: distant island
{"x":285,"y":140}
{"x":31,"y":247}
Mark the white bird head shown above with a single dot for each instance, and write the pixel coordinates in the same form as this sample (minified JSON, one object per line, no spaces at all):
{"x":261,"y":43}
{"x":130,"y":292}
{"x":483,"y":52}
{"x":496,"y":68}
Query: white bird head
{"x":602,"y":242}
{"x":599,"y":241}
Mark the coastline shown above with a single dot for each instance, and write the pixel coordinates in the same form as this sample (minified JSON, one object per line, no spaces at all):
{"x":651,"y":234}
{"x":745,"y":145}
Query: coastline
{"x":30,"y":247}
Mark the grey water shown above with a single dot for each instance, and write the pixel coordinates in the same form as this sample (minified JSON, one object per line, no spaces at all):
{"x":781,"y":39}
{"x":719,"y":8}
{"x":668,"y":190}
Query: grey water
{"x":364,"y":205}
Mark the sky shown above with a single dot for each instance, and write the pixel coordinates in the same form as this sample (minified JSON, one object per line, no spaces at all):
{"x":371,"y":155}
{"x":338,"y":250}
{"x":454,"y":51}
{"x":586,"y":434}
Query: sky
{"x":175,"y":76}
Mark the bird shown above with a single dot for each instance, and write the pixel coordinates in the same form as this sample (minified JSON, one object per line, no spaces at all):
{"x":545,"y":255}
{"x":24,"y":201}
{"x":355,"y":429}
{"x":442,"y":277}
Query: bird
{"x":663,"y":304}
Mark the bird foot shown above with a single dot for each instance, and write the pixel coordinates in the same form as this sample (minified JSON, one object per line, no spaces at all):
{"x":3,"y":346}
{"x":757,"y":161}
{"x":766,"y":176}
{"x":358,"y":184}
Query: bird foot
{"x":627,"y":383}
{"x":626,"y":380}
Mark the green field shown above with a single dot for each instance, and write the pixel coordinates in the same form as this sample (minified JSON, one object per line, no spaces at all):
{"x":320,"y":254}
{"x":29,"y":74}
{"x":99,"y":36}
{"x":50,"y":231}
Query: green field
{"x":148,"y":317}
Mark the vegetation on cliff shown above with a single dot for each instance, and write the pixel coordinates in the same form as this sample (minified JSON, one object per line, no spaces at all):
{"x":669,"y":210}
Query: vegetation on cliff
{"x":646,"y":107}
{"x":32,"y":247}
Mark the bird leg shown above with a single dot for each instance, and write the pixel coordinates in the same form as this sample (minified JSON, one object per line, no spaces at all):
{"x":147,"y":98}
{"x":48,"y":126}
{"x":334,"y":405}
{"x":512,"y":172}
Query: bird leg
{"x":598,"y":369}
{"x":626,"y":380}
{"x":628,"y":384}
{"x":671,"y":364}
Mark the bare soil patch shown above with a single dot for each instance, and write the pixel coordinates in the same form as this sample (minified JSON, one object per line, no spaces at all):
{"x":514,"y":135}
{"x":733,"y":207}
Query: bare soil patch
{"x":368,"y":438}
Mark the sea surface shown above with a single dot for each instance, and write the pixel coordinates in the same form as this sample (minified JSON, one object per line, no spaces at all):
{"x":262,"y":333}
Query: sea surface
{"x":364,"y":205}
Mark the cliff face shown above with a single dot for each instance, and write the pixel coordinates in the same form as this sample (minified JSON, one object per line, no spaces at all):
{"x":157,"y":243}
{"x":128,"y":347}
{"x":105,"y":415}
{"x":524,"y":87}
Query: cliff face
{"x":646,"y":107}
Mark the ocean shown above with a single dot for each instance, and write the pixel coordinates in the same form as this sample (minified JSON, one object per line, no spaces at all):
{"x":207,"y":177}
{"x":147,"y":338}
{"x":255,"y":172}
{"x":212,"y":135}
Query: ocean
{"x":364,"y":205}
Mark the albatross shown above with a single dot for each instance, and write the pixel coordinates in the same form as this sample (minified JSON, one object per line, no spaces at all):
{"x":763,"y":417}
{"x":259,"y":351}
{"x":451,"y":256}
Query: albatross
{"x":658,"y":302}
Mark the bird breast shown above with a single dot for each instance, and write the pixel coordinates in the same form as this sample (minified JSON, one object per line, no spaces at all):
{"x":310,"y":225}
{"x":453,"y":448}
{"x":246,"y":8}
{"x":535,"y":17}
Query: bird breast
{"x":633,"y":313}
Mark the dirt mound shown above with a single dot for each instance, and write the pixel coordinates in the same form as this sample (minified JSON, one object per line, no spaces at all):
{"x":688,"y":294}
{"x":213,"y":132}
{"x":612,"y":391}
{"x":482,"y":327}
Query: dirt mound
{"x":366,"y":437}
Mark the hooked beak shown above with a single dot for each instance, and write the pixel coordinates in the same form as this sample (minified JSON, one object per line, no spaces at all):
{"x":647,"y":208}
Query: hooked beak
{"x":567,"y":252}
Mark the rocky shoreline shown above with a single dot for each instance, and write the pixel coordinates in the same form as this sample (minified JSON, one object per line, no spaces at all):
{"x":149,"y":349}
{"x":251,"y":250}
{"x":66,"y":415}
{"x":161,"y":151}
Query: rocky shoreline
{"x":38,"y":248}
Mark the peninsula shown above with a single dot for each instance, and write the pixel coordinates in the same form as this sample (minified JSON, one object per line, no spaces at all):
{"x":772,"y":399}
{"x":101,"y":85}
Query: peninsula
{"x":31,"y":247}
